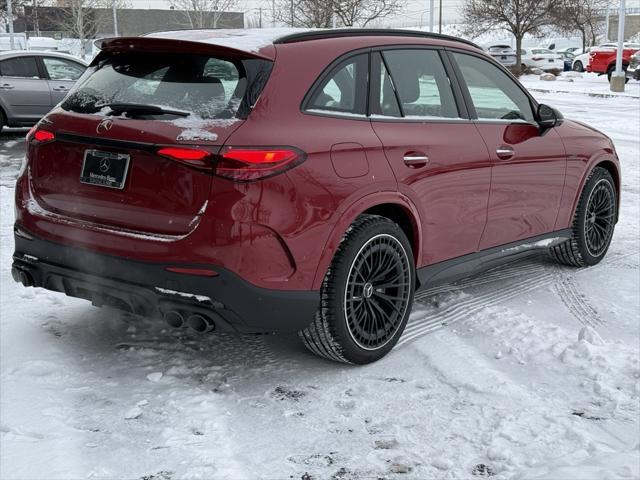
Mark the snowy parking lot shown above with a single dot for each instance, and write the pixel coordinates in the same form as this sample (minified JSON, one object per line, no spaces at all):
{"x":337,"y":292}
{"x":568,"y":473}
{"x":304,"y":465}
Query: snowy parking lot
{"x":528,"y":371}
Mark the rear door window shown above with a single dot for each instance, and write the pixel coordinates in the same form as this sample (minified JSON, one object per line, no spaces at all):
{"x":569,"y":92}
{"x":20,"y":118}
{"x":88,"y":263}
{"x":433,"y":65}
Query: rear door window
{"x":20,"y":67}
{"x":62,"y":69}
{"x":207,"y":87}
{"x":344,"y":89}
{"x":421,"y":84}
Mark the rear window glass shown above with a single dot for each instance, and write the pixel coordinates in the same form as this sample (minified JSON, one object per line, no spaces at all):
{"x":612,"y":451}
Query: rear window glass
{"x":22,"y":67}
{"x":206,"y":86}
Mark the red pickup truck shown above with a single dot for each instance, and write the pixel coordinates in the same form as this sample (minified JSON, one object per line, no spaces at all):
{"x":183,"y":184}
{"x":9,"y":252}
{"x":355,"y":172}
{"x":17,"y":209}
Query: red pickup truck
{"x":604,"y":60}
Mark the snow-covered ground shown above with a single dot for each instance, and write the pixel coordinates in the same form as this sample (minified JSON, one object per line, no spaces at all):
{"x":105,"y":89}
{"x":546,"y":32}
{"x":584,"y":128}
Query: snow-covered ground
{"x":529,"y":371}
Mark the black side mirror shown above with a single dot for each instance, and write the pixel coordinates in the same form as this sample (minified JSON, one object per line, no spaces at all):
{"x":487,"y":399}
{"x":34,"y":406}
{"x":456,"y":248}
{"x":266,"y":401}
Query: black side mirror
{"x":548,"y":117}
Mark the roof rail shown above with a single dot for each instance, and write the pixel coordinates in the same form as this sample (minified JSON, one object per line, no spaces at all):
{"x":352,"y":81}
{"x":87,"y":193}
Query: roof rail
{"x":356,"y":32}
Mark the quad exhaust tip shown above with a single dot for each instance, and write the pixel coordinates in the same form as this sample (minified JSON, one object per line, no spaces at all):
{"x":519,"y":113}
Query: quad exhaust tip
{"x":174,"y":319}
{"x":22,"y":277}
{"x":200,"y":324}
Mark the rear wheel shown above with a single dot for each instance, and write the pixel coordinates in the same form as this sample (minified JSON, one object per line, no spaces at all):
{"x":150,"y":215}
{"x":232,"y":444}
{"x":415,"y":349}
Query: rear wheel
{"x":577,"y":66}
{"x":612,"y":69}
{"x":3,"y":120}
{"x":593,"y":223}
{"x":367,"y":294}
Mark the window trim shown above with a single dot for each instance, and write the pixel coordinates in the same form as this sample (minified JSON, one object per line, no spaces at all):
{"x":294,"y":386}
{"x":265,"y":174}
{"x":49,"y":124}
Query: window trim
{"x":456,"y":90}
{"x":308,"y":109}
{"x":473,"y":115}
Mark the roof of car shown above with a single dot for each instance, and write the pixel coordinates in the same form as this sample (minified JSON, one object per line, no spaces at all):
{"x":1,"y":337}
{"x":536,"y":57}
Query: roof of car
{"x":256,"y":40}
{"x":38,"y":53}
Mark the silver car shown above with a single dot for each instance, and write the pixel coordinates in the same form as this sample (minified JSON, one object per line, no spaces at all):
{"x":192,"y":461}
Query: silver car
{"x":32,"y":83}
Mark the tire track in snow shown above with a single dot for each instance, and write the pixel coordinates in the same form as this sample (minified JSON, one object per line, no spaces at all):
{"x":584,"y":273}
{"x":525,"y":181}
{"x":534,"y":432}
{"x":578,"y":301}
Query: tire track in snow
{"x":576,"y":302}
{"x":538,"y":274}
{"x":471,"y":306}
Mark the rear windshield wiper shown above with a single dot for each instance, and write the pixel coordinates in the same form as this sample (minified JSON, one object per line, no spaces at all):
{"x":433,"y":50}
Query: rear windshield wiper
{"x":141,"y":109}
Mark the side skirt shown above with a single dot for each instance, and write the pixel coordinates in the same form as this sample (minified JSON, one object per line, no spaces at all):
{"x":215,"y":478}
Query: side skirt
{"x":458,"y":268}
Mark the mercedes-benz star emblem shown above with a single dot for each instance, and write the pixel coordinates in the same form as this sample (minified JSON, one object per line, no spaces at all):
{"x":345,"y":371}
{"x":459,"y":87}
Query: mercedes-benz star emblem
{"x":105,"y":165}
{"x":104,"y":126}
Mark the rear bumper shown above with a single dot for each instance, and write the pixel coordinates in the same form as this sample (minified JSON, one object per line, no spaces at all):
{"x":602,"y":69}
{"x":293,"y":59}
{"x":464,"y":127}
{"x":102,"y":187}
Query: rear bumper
{"x":149,"y":289}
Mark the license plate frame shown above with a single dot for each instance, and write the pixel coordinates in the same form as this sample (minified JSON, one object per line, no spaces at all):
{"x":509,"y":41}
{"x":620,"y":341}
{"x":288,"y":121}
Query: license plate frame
{"x":105,"y":169}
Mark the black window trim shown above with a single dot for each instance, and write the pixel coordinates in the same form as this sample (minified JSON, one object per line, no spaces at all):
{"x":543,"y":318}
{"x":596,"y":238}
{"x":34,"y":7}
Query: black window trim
{"x":457,"y":90}
{"x":307,"y":109}
{"x":467,"y":96}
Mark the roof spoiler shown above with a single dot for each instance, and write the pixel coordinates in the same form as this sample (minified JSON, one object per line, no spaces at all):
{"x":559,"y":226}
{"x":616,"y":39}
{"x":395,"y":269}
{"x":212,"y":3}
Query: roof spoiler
{"x":165,"y":45}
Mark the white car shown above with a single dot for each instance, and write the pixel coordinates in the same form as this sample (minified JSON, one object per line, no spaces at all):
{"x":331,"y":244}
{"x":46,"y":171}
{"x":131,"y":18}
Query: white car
{"x":581,"y":61}
{"x":541,"y":58}
{"x":503,"y":54}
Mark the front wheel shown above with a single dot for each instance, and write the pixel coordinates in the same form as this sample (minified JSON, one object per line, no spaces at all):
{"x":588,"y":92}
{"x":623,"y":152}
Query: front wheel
{"x":593,"y":222}
{"x":366,"y":296}
{"x":613,"y":69}
{"x":577,"y":66}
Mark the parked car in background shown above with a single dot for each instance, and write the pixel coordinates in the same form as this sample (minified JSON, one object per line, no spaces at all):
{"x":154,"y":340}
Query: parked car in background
{"x":541,"y":58}
{"x":567,"y":58}
{"x":603,"y":61}
{"x":32,"y":83}
{"x":157,"y":189}
{"x":633,"y":70}
{"x":582,"y":59}
{"x":503,"y":54}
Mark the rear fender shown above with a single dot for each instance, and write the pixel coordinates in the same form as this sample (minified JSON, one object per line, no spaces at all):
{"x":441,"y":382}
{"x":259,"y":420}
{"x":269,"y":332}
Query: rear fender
{"x":352,"y":212}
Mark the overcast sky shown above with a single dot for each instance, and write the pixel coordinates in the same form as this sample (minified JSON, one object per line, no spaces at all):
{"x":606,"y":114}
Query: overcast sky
{"x":416,"y":11}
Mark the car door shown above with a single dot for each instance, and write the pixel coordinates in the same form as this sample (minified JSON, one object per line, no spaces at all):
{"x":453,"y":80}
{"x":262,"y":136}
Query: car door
{"x":528,"y":165}
{"x":437,"y":155}
{"x":62,"y":75}
{"x":25,"y":94}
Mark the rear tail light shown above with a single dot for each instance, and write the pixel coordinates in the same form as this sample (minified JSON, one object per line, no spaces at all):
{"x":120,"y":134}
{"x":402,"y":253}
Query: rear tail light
{"x":537,"y":59}
{"x":40,"y":136}
{"x":194,"y":157}
{"x":245,"y":164}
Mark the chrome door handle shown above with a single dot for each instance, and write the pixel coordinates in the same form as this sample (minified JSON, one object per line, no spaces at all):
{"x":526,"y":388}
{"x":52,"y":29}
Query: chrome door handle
{"x":505,"y":153}
{"x":415,"y":159}
{"x":60,"y":89}
{"x":6,"y":86}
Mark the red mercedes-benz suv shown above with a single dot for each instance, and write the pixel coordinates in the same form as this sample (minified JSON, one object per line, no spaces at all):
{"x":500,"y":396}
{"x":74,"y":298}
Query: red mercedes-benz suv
{"x":307,"y":183}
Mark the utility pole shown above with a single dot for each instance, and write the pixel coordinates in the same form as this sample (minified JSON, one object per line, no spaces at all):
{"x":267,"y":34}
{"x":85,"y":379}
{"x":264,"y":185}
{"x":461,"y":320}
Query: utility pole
{"x":431,"y":15}
{"x":606,"y":24}
{"x":115,"y":19}
{"x":273,"y":13}
{"x":618,"y":78}
{"x":440,"y":18}
{"x":260,"y":17}
{"x":10,"y":20}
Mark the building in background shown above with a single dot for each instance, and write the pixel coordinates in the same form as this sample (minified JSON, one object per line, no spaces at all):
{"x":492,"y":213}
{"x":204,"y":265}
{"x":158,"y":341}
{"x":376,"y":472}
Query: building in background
{"x":131,"y":21}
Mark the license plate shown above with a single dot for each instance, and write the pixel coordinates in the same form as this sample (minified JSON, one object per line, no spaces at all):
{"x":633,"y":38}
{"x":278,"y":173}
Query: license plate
{"x":503,"y":58}
{"x":105,"y":169}
{"x":551,"y":60}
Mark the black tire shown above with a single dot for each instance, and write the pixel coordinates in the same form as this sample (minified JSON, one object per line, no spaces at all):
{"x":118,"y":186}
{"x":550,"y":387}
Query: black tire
{"x":3,"y":120}
{"x":612,"y":69}
{"x":359,"y":320}
{"x":582,"y":250}
{"x":577,"y":66}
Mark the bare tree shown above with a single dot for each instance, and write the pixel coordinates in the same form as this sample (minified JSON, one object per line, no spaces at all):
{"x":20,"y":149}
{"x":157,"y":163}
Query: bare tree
{"x":584,"y":17}
{"x":518,"y":17}
{"x":203,"y":13}
{"x":361,"y":12}
{"x":82,"y":19}
{"x":305,"y":13}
